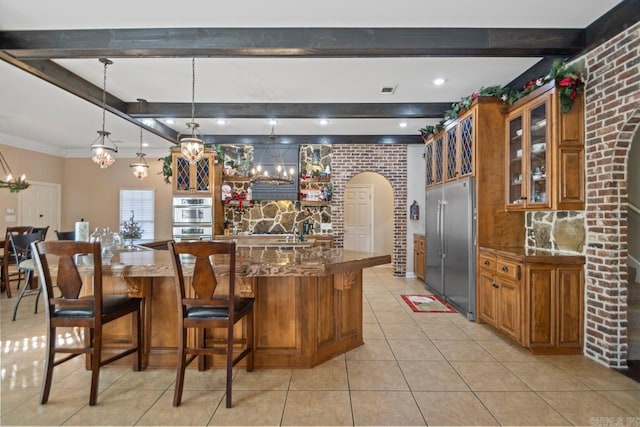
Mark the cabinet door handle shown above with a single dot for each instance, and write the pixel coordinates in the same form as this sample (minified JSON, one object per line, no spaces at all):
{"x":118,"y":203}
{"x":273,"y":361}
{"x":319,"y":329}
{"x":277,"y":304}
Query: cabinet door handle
{"x":487,"y":263}
{"x":505,"y":269}
{"x":523,"y":197}
{"x":495,"y":286}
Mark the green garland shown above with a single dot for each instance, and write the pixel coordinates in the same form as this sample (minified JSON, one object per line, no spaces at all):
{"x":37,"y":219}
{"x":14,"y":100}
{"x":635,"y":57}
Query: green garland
{"x":568,"y":81}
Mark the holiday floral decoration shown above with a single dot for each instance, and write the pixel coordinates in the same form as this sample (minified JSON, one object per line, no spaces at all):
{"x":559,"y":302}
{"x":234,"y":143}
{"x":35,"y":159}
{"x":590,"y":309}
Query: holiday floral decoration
{"x":568,"y":80}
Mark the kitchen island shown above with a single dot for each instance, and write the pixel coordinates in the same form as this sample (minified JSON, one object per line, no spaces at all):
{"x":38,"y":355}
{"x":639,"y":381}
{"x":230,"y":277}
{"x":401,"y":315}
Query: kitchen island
{"x":308,"y":301}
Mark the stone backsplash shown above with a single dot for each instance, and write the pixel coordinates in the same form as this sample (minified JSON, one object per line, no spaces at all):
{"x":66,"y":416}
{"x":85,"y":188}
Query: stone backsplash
{"x":282,"y":216}
{"x":271,"y":216}
{"x":556,"y":231}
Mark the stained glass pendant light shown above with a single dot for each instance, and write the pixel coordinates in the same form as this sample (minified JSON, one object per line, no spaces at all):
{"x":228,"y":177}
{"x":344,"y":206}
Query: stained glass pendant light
{"x":191,"y":143}
{"x":103,"y":148}
{"x":140,"y":167}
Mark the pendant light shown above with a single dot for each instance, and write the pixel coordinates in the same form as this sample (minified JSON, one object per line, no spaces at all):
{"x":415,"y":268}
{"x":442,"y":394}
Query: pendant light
{"x":140,"y":167}
{"x":279,"y":175}
{"x":14,"y":184}
{"x":191,"y":144}
{"x":101,"y":152}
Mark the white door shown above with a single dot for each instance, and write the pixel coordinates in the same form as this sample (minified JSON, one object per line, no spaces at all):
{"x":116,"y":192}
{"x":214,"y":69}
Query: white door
{"x":40,"y":206}
{"x":358,"y":218}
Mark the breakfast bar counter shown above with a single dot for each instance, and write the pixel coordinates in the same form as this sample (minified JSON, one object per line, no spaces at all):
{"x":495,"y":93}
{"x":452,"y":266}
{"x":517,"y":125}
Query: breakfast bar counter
{"x":308,"y":301}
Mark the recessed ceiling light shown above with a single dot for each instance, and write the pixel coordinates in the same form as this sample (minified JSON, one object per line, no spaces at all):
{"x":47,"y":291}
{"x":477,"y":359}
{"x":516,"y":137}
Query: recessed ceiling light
{"x":221,"y":122}
{"x":403,"y":124}
{"x":439,"y":81}
{"x":169,"y":121}
{"x":145,"y":144}
{"x":324,"y":122}
{"x":148,"y":122}
{"x":273,"y":122}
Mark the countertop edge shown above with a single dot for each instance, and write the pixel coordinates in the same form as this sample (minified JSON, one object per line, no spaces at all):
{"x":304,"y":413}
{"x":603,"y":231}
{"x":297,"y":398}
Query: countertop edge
{"x":533,"y":256}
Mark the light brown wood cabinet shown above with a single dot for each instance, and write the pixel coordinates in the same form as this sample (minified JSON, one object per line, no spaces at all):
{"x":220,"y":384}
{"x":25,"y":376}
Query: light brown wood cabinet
{"x":554,"y":306}
{"x":534,"y":299}
{"x":498,"y":293}
{"x":470,"y":146}
{"x":419,"y":255}
{"x":450,"y":154}
{"x":545,"y":153}
{"x":196,"y":179}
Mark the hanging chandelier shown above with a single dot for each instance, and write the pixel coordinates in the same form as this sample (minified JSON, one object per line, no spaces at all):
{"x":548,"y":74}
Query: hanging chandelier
{"x":13,"y":184}
{"x":103,"y":150}
{"x":279,"y":174}
{"x":140,"y":167}
{"x":191,"y":143}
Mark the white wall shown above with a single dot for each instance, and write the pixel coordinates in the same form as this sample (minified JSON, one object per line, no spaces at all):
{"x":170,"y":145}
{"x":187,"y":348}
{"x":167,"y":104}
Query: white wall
{"x":415,"y":191}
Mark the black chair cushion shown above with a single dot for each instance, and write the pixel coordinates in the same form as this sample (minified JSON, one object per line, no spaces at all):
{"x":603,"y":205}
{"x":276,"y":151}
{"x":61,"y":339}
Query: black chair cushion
{"x":219,"y":312}
{"x":110,"y":303}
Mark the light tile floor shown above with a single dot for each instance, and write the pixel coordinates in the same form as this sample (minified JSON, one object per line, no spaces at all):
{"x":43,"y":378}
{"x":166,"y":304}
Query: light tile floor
{"x":414,"y":369}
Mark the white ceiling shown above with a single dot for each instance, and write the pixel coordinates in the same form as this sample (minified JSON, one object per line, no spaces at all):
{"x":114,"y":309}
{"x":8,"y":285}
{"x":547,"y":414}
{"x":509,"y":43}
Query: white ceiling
{"x":37,"y":115}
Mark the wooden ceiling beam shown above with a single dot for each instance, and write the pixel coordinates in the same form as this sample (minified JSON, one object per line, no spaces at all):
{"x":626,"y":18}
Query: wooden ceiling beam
{"x":290,"y":110}
{"x":292,"y":42}
{"x":314,"y":139}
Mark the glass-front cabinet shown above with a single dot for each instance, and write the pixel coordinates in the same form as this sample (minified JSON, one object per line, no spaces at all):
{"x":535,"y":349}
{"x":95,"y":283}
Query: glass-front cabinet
{"x":528,"y":161}
{"x":192,"y":179}
{"x":449,"y":154}
{"x":428,"y":164}
{"x":545,"y":153}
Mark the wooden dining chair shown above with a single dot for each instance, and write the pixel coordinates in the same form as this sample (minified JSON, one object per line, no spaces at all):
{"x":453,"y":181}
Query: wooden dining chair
{"x":65,"y":235}
{"x":21,"y":248}
{"x":82,"y":308}
{"x":42,"y":230}
{"x":200,"y":308}
{"x":8,"y":258}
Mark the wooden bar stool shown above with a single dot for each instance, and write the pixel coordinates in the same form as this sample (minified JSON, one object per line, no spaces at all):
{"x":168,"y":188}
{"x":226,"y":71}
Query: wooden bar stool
{"x":90,"y":311}
{"x":199,"y":309}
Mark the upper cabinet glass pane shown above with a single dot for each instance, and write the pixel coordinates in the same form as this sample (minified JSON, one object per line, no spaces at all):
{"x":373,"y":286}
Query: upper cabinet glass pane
{"x":538,"y":154}
{"x":438,"y":159}
{"x":452,"y":153}
{"x":466,"y":146}
{"x":515,"y":161}
{"x":428,"y":157}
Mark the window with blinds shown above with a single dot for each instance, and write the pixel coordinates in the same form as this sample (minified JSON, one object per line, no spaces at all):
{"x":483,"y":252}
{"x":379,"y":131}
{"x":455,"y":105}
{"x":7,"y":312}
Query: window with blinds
{"x":142,"y":204}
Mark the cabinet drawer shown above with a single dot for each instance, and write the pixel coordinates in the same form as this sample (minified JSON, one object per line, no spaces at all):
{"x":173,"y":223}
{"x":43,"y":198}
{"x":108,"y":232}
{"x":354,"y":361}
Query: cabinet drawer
{"x":508,"y":268}
{"x":488,"y":262}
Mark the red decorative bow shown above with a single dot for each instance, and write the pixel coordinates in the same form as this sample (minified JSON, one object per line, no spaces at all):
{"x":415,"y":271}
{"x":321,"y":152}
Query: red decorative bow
{"x":239,"y":197}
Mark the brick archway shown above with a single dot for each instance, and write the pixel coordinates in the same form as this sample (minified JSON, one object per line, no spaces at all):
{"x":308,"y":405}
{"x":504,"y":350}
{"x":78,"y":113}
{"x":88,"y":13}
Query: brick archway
{"x":612,"y":117}
{"x":389,"y":161}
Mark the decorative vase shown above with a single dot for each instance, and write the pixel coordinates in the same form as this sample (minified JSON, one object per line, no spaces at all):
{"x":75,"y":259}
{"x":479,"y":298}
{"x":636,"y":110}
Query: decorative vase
{"x":108,"y":240}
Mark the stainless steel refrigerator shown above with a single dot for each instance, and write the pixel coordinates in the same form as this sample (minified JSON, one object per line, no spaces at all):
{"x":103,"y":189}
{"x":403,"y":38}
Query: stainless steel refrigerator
{"x":450,"y":244}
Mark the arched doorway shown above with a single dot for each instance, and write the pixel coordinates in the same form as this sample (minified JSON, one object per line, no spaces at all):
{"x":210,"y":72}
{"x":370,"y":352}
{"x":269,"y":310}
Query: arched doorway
{"x":378,"y":212}
{"x":388,"y":160}
{"x":633,"y":260}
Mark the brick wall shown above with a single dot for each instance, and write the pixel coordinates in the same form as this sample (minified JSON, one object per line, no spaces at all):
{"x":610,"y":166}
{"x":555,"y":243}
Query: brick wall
{"x":612,"y":117}
{"x":389,"y":161}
